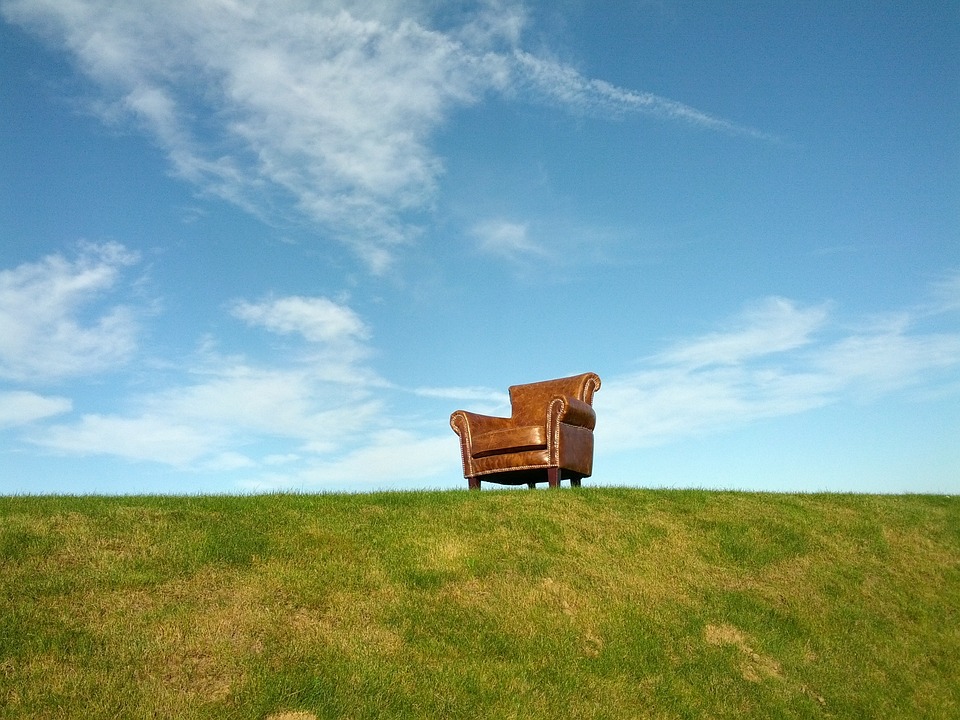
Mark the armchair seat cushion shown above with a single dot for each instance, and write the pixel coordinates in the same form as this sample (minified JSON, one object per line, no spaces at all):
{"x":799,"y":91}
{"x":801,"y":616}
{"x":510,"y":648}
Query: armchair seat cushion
{"x":510,"y":440}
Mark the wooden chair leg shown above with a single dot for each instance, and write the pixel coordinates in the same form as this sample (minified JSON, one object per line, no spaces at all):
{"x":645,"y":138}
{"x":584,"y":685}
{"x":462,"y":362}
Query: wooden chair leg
{"x":473,"y":482}
{"x":532,"y":486}
{"x":553,"y":477}
{"x":575,"y":480}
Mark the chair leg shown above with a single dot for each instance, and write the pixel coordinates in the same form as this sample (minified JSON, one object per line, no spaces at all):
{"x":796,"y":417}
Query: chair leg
{"x":473,"y":482}
{"x":532,"y":486}
{"x":553,"y":477}
{"x":575,"y":480}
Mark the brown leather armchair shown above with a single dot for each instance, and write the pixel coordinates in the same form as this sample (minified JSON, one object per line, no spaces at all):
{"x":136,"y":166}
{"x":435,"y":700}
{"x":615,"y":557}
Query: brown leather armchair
{"x":547,"y":438}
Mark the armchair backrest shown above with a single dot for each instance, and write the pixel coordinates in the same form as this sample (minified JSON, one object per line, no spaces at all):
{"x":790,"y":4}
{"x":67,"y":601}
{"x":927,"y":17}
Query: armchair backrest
{"x":528,"y":401}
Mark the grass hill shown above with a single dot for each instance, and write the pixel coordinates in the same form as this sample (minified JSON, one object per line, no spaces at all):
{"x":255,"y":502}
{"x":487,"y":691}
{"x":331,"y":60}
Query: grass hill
{"x":590,"y":603}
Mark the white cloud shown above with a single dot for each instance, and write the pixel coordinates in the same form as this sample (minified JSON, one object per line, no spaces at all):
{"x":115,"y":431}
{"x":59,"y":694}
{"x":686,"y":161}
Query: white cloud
{"x":507,"y":239}
{"x":51,"y":323}
{"x":390,"y":457}
{"x":303,"y":426}
{"x":163,"y":439}
{"x":315,"y":318}
{"x":337,"y":336}
{"x":889,"y":357}
{"x":207,"y":423}
{"x":20,"y":407}
{"x":567,"y":86}
{"x":328,"y":106}
{"x":777,"y":359}
{"x":228,"y":461}
{"x":293,"y":403}
{"x":465,"y":393}
{"x":225,"y":408}
{"x":774,"y":325}
{"x":666,"y":404}
{"x":281,"y":459}
{"x":946,"y":292}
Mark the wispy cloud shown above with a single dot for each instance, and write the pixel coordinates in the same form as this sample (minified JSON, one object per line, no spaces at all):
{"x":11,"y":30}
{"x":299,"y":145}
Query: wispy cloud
{"x":53,"y":324}
{"x":310,"y":401}
{"x":328,"y":108}
{"x":320,"y":413}
{"x":771,"y":326}
{"x":464,"y":394}
{"x":162,"y":439}
{"x":20,"y":407}
{"x":776,"y":359}
{"x":887,"y":357}
{"x":565,"y":85}
{"x":222,"y":409}
{"x":392,"y":456}
{"x":217,"y":412}
{"x":293,"y":422}
{"x":317,"y":319}
{"x":946,"y":293}
{"x":507,"y":239}
{"x":294,"y":427}
{"x":336,"y":338}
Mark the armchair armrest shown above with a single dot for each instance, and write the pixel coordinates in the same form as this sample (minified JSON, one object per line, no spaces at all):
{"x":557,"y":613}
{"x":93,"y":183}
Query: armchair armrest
{"x":572,"y":411}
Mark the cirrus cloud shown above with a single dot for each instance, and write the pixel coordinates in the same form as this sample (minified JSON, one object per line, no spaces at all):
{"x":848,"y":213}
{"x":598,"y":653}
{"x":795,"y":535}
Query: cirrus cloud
{"x":328,"y":108}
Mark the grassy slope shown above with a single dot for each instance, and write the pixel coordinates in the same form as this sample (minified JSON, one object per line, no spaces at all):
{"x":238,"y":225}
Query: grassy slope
{"x":587,"y":604}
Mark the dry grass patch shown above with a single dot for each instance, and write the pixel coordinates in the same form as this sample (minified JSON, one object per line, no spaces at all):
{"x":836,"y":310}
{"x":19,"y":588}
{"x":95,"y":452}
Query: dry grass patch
{"x":753,"y":665}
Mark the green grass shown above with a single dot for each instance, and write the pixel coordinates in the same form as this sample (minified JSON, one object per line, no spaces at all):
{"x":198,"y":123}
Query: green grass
{"x":594,"y":603}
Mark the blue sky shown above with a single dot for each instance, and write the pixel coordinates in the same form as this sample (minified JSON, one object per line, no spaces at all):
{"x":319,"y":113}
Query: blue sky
{"x":272,"y":246}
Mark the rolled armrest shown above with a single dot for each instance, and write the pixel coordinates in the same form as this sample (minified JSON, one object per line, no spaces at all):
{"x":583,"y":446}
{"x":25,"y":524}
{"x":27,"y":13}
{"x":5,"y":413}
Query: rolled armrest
{"x":574,"y":412}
